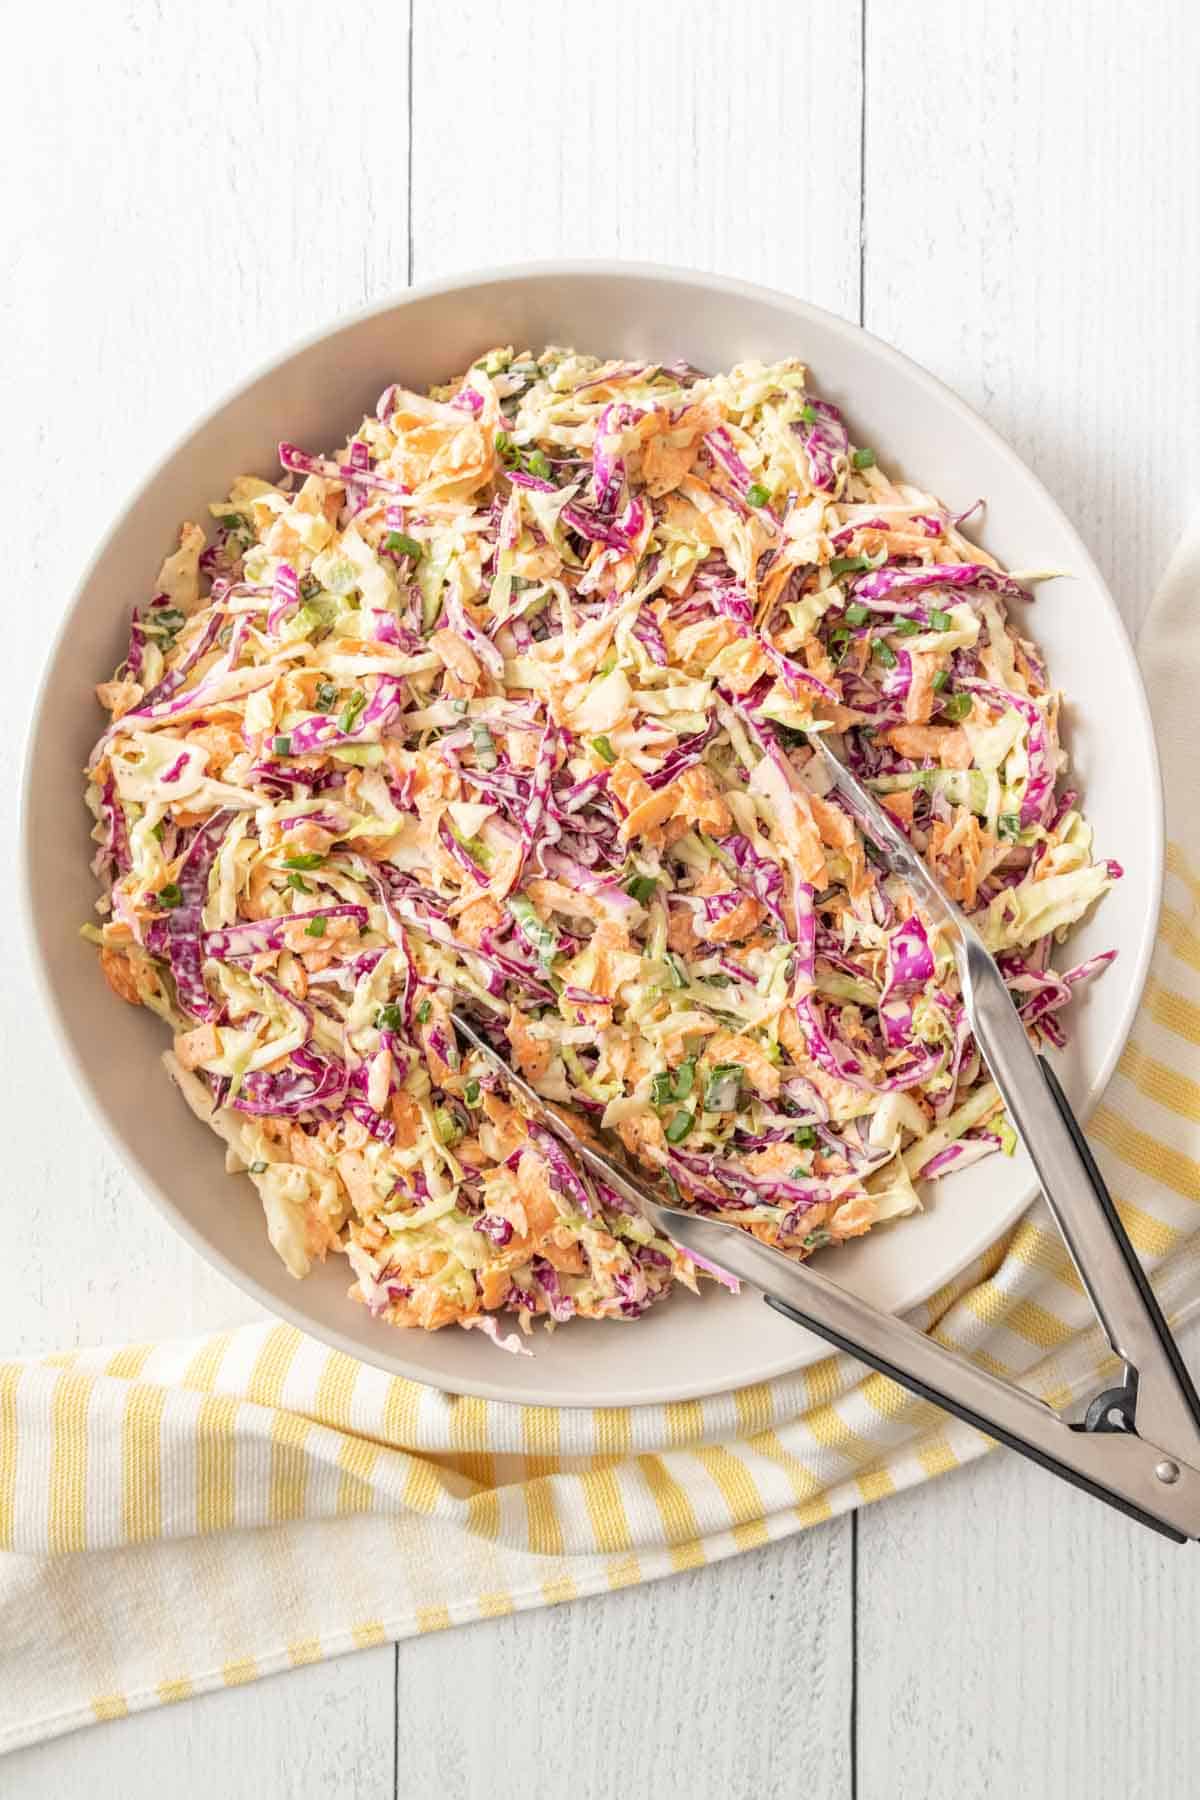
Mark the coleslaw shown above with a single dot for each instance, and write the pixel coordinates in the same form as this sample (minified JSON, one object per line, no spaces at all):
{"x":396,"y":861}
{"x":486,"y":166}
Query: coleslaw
{"x":507,"y":705}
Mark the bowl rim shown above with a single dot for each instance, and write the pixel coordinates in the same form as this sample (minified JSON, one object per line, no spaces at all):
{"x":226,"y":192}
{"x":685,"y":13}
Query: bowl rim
{"x":1083,"y":564}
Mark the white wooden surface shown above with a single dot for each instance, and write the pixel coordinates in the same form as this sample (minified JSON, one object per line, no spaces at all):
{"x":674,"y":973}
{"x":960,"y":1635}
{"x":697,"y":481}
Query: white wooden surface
{"x":1007,"y":190}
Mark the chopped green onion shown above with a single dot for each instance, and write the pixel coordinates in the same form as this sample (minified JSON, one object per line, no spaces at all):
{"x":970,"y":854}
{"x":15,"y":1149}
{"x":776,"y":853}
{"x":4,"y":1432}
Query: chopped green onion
{"x":850,"y":565}
{"x":939,"y":620}
{"x":857,"y":614}
{"x":958,"y":706}
{"x":676,"y":967}
{"x":349,"y":713}
{"x":863,"y":459}
{"x":171,"y":895}
{"x":389,"y":1018}
{"x":805,"y":1138}
{"x":905,"y":627}
{"x":941,"y":677}
{"x":448,"y":1128}
{"x":681,"y":1124}
{"x":257,"y":1168}
{"x":542,"y":936}
{"x":506,"y":450}
{"x":315,"y":928}
{"x":298,"y":882}
{"x":604,"y":750}
{"x":817,"y":1240}
{"x":282,"y":746}
{"x":485,"y":747}
{"x":157,"y":831}
{"x":1008,"y":825}
{"x":808,"y":415}
{"x":685,"y":1076}
{"x":722,"y":1088}
{"x":641,"y":888}
{"x":471,"y":1093}
{"x":660,"y":1088}
{"x":423,"y":1012}
{"x":537,"y":465}
{"x":305,"y":859}
{"x":402,"y":544}
{"x":839,"y":643}
{"x":326,"y":696}
{"x":233,"y":522}
{"x":883,"y":652}
{"x":757,"y":494}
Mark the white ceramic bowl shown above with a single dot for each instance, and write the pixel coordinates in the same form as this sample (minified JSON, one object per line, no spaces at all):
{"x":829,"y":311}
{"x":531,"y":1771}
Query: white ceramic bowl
{"x":315,"y":396}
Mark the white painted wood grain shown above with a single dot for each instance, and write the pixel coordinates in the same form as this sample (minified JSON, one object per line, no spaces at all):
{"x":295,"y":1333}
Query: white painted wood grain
{"x":323,"y":1732}
{"x":1017,"y":1638}
{"x":197,"y":185}
{"x":1031,"y":211}
{"x":717,"y":135}
{"x":733,"y":1681}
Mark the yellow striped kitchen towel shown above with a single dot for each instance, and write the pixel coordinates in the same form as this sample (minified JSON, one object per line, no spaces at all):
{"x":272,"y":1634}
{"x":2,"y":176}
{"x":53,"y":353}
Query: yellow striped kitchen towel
{"x":183,"y":1516}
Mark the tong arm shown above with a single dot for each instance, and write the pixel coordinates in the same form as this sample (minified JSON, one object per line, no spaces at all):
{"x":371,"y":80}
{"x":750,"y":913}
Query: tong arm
{"x":1167,"y":1405}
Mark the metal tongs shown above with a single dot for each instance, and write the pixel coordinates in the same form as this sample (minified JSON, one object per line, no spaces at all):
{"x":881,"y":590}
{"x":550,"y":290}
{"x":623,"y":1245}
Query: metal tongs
{"x":1138,"y":1445}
